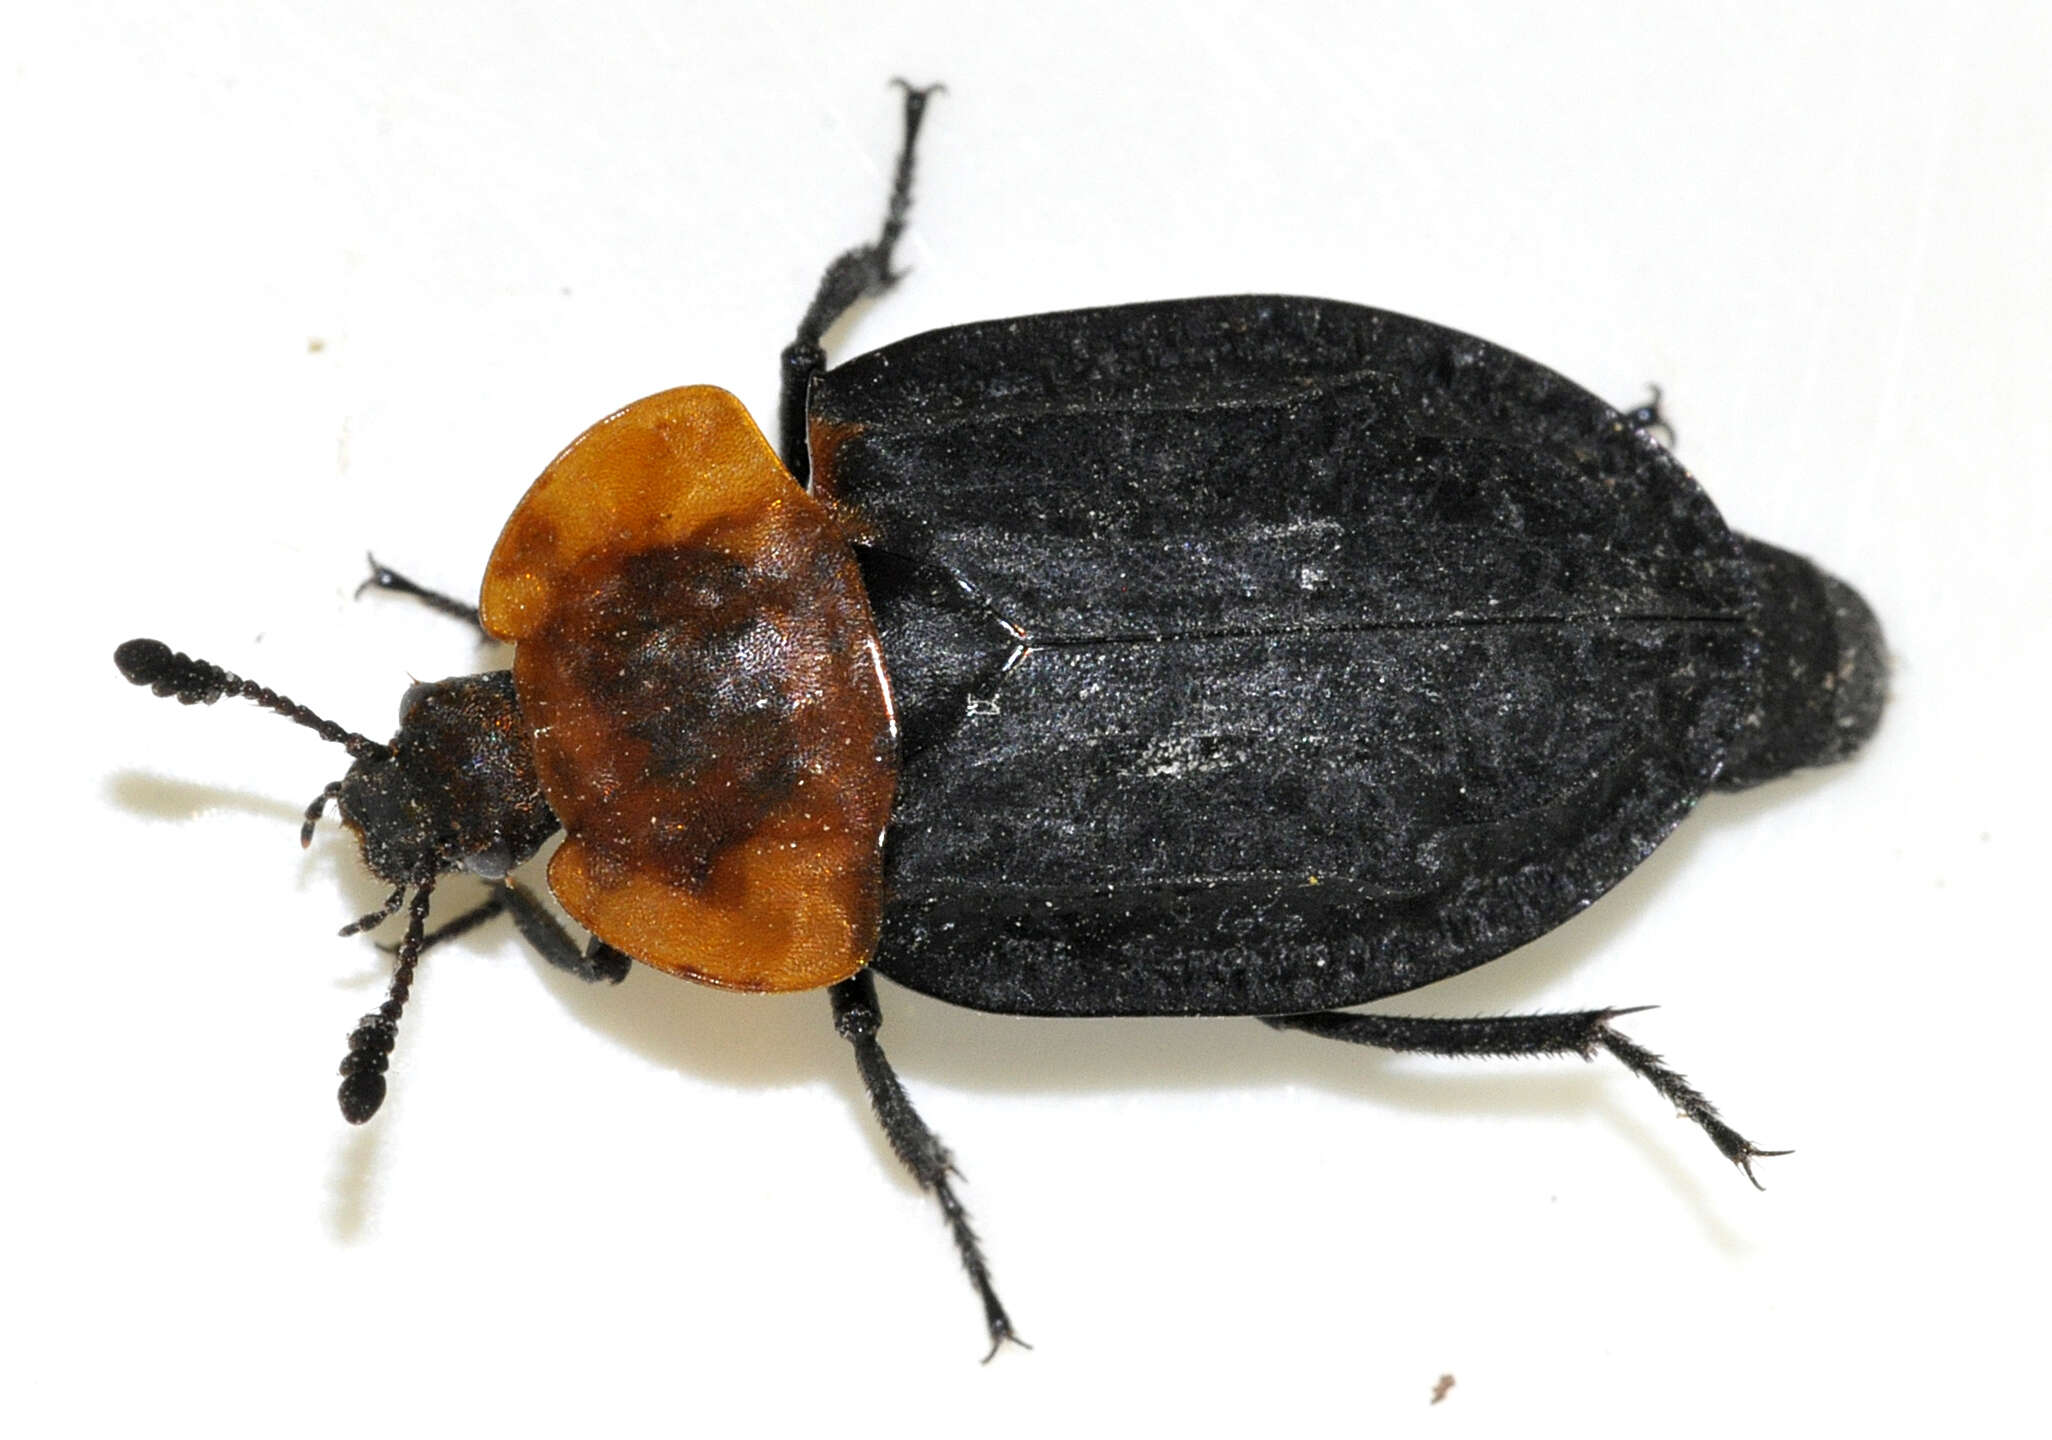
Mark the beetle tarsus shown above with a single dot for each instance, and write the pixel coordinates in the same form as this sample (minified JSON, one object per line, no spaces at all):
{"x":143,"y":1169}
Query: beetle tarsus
{"x":1579,"y":1032}
{"x":1745,"y":1159}
{"x":1686,"y":1098}
{"x":1647,"y":418}
{"x":384,"y":577}
{"x":603,"y":962}
{"x":900,"y":203}
{"x":857,"y":1017}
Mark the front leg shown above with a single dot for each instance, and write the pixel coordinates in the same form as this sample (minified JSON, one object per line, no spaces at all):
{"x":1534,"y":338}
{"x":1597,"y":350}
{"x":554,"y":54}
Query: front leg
{"x":857,"y":1017}
{"x":1647,"y":418}
{"x":544,"y":933}
{"x":384,"y":577}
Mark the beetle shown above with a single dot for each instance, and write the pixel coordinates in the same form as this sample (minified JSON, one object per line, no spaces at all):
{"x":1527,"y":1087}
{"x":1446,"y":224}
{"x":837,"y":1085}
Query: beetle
{"x":1250,"y":656}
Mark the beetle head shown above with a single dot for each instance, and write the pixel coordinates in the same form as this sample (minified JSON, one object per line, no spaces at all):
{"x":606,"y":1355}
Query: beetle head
{"x":456,"y":788}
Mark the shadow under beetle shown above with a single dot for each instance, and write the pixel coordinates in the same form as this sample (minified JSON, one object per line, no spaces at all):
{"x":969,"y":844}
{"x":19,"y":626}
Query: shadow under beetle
{"x":1246,"y":656}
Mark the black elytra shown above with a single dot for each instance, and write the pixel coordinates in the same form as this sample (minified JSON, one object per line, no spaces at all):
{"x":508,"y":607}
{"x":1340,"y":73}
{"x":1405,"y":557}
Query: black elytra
{"x":1261,"y":655}
{"x":1252,"y":656}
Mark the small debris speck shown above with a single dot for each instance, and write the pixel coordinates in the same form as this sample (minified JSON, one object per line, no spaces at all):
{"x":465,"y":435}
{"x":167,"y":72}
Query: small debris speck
{"x":1440,"y":1387}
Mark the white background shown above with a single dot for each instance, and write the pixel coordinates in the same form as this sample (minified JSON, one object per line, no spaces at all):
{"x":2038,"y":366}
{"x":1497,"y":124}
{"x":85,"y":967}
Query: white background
{"x":287,"y":282}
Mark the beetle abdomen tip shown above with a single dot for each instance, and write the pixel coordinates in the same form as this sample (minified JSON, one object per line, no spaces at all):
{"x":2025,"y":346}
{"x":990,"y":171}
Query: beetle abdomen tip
{"x":1823,"y":671}
{"x":1860,"y":691}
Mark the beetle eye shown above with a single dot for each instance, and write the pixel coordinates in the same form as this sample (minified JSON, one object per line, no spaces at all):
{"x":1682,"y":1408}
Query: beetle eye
{"x":413,"y":696}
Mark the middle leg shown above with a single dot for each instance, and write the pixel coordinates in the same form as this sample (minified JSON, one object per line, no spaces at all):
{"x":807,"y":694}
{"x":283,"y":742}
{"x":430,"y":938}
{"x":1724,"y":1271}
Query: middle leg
{"x":864,"y":271}
{"x":857,"y":1017}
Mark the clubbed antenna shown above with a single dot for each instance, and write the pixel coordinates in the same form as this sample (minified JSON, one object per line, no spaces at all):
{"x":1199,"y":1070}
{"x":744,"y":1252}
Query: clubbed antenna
{"x":196,"y":682}
{"x":371,"y":1042}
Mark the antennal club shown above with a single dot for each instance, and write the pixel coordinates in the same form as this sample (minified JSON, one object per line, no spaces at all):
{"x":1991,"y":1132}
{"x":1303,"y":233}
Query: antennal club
{"x":197,"y":682}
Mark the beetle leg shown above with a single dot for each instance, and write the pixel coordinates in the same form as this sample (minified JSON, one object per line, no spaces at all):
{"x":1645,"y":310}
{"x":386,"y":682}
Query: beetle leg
{"x":855,"y":274}
{"x":383,"y":577}
{"x":1647,"y":417}
{"x":329,"y":794}
{"x":378,"y":916}
{"x":1581,"y":1032}
{"x":463,"y":924}
{"x":539,"y":927}
{"x":857,"y":1018}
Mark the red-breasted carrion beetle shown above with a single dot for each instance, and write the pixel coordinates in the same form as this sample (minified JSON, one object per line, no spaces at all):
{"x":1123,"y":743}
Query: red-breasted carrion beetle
{"x":1246,"y":656}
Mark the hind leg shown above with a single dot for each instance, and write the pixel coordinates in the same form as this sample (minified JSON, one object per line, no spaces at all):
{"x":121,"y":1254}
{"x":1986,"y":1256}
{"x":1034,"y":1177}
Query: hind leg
{"x":1581,"y":1032}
